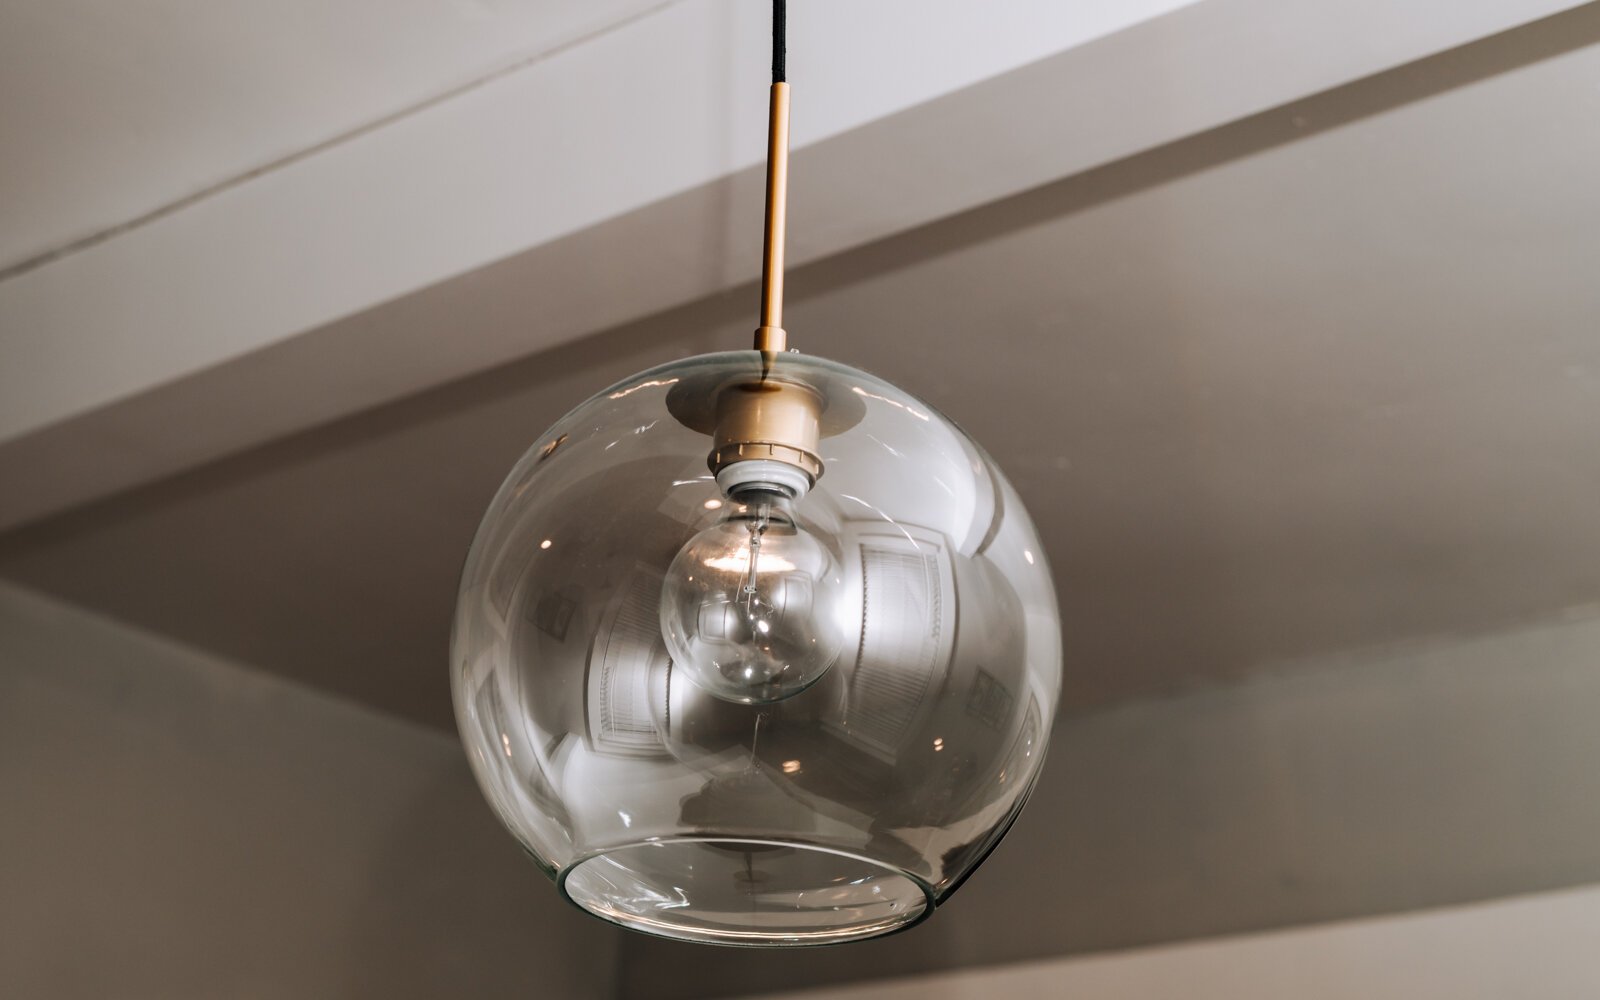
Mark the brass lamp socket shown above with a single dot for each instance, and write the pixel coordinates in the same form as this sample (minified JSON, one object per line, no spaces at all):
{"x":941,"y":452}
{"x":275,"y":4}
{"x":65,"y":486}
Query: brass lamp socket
{"x":768,"y":420}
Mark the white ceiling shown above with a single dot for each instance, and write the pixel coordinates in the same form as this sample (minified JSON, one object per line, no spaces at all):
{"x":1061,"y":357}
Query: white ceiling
{"x":263,"y":302}
{"x":113,"y":110}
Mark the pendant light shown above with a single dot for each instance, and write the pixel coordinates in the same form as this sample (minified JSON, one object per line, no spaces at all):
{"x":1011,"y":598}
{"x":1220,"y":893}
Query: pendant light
{"x":755,"y":648}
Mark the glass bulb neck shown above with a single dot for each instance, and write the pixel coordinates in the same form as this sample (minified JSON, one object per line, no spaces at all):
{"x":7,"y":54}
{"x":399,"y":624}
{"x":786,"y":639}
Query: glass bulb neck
{"x":763,"y":477}
{"x":764,"y":504}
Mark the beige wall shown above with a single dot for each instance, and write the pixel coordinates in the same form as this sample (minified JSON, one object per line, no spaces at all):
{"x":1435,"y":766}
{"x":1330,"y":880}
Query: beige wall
{"x":1533,"y":948}
{"x":175,"y":827}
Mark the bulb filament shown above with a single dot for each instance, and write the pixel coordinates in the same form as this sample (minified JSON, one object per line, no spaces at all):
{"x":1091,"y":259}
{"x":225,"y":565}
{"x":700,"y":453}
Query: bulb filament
{"x":758,"y":527}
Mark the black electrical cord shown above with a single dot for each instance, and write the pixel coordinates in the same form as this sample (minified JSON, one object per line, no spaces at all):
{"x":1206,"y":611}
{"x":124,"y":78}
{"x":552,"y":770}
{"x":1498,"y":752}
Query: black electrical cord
{"x":779,"y":54}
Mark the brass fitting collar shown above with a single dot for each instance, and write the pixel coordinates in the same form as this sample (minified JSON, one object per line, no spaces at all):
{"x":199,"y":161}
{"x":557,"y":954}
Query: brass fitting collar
{"x":769,"y":419}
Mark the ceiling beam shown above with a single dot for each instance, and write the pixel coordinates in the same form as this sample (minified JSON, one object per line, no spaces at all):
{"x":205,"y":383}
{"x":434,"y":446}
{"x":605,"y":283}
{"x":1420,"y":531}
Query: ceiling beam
{"x":613,"y":180}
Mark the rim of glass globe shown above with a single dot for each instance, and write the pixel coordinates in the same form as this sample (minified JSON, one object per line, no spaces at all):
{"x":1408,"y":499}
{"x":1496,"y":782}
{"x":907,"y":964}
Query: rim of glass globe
{"x":738,"y":934}
{"x":747,"y":361}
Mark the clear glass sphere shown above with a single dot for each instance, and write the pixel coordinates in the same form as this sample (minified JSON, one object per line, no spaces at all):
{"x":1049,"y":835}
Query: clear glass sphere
{"x":752,"y":607}
{"x":602,"y":697}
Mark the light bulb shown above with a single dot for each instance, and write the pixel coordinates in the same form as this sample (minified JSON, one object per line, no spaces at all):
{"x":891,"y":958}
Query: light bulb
{"x":750,"y":607}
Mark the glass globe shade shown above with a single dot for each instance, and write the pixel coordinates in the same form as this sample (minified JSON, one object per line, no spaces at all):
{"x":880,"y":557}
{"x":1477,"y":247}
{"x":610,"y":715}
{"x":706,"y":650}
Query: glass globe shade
{"x":721,"y":783}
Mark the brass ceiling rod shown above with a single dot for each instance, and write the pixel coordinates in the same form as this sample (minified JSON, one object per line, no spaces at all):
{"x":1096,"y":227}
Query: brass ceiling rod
{"x":770,"y":336}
